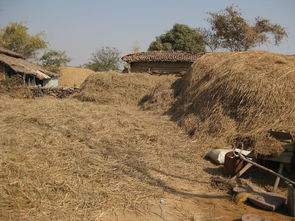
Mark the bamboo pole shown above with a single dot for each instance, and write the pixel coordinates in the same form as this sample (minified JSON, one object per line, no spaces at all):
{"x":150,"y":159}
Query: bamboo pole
{"x":266,"y":169}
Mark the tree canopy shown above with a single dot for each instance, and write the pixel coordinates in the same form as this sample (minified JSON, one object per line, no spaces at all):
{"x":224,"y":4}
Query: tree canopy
{"x":231,"y":31}
{"x":180,"y":38}
{"x":52,"y":60}
{"x":104,"y":59}
{"x":15,"y":37}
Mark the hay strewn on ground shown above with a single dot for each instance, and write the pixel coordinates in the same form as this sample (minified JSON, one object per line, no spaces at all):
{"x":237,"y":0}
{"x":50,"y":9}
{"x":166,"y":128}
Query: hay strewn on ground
{"x":72,"y":160}
{"x":242,"y":94}
{"x":72,"y":76}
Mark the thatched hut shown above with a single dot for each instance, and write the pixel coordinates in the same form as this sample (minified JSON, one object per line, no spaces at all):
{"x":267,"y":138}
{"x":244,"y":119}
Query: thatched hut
{"x":12,"y":64}
{"x":161,"y":62}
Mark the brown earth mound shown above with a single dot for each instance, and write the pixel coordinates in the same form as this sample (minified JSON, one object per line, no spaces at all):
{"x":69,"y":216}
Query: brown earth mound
{"x":244,"y":94}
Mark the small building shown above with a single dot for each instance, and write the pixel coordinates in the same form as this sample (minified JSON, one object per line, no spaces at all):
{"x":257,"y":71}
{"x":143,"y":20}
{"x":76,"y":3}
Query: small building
{"x":12,"y":64}
{"x":161,"y":62}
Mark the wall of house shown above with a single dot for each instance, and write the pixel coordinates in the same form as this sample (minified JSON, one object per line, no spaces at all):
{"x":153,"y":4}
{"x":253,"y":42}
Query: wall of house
{"x":52,"y":82}
{"x":30,"y":80}
{"x":2,"y":71}
{"x":160,"y":67}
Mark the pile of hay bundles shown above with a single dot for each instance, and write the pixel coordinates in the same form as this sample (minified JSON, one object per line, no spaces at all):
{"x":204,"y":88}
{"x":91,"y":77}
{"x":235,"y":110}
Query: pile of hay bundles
{"x":229,"y":96}
{"x":116,"y":88}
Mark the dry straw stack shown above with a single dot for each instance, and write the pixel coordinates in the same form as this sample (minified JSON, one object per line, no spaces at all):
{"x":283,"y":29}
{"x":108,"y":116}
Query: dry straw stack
{"x":73,"y":76}
{"x":116,"y":88}
{"x":243,"y":94}
{"x":225,"y":98}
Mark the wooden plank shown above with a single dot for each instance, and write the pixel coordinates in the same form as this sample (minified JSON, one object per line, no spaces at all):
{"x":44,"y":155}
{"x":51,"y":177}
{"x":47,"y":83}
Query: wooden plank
{"x":285,"y":157}
{"x":268,"y":201}
{"x":275,"y":187}
{"x":242,"y":171}
{"x":282,"y":135}
{"x":289,"y":147}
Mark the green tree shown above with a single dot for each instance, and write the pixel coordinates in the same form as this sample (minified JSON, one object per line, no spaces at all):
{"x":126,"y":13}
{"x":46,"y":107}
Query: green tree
{"x":104,"y":59}
{"x":180,"y":38}
{"x":233,"y":32}
{"x":15,"y":37}
{"x":52,"y":60}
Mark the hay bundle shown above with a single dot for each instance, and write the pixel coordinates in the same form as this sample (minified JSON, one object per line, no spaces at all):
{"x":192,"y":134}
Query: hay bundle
{"x":243,"y":94}
{"x":117,"y":88}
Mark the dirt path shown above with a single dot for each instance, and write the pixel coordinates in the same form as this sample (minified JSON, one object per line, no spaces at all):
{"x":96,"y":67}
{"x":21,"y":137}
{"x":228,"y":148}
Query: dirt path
{"x":69,"y":160}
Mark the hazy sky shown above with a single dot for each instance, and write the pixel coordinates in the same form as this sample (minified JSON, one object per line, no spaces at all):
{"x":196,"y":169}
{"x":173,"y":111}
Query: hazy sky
{"x":81,"y":26}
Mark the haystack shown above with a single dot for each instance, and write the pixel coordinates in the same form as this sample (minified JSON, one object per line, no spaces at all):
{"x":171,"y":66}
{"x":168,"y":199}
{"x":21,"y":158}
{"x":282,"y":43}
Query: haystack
{"x":235,"y":97}
{"x":73,"y":76}
{"x":116,"y":88}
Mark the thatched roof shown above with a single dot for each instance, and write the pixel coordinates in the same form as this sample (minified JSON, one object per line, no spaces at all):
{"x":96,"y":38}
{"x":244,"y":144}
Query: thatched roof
{"x":20,"y":65}
{"x":163,"y":56}
{"x":10,"y":53}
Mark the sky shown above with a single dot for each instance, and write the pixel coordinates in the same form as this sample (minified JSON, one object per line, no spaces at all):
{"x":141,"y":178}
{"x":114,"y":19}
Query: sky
{"x":79,"y":27}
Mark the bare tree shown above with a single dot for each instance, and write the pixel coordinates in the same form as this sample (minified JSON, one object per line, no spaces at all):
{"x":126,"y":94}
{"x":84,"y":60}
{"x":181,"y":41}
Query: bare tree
{"x":210,"y":40}
{"x":231,"y":31}
{"x":136,"y":47}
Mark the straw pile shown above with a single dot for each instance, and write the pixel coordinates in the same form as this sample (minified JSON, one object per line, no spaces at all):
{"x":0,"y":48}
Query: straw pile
{"x":226,"y":98}
{"x":73,"y":76}
{"x":117,"y":88}
{"x":237,"y":97}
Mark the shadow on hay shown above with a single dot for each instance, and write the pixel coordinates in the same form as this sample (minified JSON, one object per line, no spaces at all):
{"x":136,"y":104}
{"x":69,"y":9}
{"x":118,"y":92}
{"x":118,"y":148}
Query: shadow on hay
{"x":137,"y":169}
{"x":176,"y":176}
{"x":141,"y":173}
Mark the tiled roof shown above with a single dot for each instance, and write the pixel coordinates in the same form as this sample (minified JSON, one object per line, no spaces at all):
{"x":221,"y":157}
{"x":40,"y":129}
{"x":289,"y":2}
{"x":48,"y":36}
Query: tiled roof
{"x":168,"y":56}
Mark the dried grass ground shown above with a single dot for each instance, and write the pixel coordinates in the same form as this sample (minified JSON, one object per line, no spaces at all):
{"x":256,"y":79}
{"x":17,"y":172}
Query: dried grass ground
{"x":110,"y":160}
{"x":68,"y":160}
{"x":72,"y":160}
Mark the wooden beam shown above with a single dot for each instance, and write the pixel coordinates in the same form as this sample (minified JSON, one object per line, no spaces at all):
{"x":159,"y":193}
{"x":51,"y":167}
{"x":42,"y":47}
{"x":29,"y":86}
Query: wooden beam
{"x":266,"y":169}
{"x":242,"y":171}
{"x":275,"y":187}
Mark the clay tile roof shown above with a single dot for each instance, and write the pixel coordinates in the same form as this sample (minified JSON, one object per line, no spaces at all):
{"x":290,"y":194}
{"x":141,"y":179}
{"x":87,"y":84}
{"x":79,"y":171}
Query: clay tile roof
{"x":168,"y":56}
{"x":10,"y":53}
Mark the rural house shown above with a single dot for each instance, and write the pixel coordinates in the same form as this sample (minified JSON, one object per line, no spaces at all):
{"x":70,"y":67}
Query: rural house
{"x":12,"y":63}
{"x":161,"y":62}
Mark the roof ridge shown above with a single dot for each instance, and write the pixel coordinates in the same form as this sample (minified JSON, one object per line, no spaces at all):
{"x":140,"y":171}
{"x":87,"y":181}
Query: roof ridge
{"x":24,"y":66}
{"x":10,"y":53}
{"x":168,"y":56}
